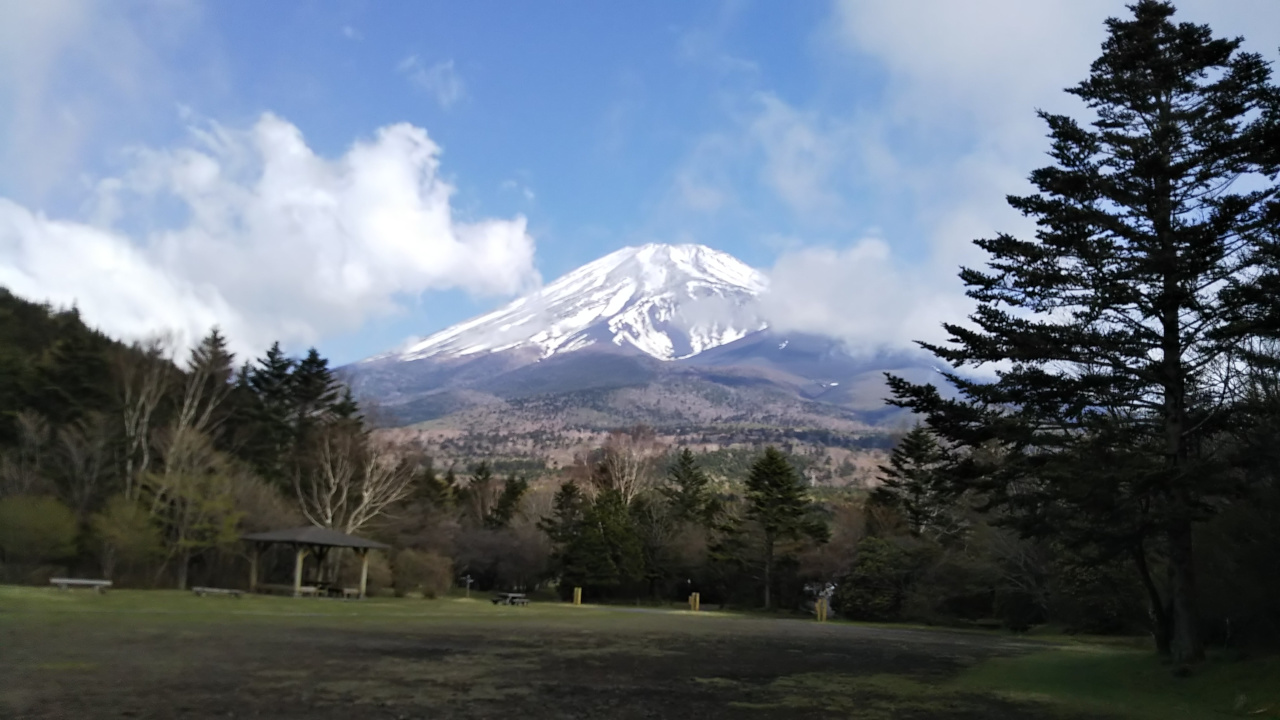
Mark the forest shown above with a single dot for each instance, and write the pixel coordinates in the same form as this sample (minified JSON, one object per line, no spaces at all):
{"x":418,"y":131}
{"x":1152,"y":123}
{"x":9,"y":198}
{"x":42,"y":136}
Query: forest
{"x":1104,"y":460}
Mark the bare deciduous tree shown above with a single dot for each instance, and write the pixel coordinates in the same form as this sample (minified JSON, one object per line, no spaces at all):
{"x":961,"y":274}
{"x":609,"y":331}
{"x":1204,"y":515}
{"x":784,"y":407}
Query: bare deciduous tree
{"x":82,"y":456}
{"x":22,"y":471}
{"x":143,"y":378}
{"x":351,"y":480}
{"x":208,"y":384}
{"x":628,"y":460}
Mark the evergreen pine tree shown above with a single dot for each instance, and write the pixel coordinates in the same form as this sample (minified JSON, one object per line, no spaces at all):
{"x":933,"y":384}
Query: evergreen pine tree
{"x":430,"y":487}
{"x":478,"y":497}
{"x":270,"y":442}
{"x":913,"y":482}
{"x":567,"y":509}
{"x":689,"y":491}
{"x":315,"y":392}
{"x":778,"y":501}
{"x":508,"y":503}
{"x":1126,"y":315}
{"x":210,"y":372}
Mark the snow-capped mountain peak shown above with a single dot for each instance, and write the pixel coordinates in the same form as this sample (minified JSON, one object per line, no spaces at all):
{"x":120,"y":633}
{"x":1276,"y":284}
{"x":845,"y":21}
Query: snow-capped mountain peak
{"x":668,"y":301}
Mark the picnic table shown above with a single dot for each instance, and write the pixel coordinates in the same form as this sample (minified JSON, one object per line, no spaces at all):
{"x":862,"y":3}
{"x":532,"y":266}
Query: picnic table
{"x":67,"y":583}
{"x":511,"y":599}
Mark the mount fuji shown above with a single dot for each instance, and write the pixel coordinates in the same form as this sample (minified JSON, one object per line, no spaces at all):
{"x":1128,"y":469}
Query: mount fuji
{"x":672,"y":336}
{"x":669,"y":302}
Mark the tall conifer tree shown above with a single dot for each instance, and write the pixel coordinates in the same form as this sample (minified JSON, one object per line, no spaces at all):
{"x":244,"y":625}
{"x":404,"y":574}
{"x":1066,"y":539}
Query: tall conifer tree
{"x":914,"y":482}
{"x":779,"y":502}
{"x":689,"y":491}
{"x":1122,"y":321}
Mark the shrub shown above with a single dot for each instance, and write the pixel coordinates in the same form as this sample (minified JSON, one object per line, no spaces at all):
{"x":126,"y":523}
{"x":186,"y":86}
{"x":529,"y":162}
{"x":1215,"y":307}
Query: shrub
{"x":379,"y":572}
{"x":1100,"y":598}
{"x":422,"y":572}
{"x":34,"y":529}
{"x":876,"y":586}
{"x":126,"y":534}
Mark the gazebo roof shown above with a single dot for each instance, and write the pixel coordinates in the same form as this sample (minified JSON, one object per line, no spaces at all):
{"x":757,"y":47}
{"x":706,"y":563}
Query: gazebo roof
{"x":312,"y":535}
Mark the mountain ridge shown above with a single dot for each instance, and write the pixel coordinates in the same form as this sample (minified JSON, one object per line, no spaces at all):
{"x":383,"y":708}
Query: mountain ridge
{"x":666,"y":301}
{"x":666,"y":336}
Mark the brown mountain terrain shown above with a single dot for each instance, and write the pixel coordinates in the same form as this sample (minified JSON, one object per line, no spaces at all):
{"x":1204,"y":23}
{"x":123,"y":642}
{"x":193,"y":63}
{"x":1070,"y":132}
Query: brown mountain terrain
{"x":804,"y":394}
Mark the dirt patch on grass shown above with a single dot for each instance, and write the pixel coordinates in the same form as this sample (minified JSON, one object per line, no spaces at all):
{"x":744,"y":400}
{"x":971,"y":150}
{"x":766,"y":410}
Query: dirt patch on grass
{"x":587,"y":665}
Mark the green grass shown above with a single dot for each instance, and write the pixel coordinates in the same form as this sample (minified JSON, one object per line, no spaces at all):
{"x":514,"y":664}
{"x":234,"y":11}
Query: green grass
{"x":1094,"y":677}
{"x":1131,"y":683}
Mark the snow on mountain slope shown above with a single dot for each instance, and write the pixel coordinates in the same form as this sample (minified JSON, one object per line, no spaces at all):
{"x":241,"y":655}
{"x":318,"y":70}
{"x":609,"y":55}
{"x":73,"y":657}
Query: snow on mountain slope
{"x":667,"y":301}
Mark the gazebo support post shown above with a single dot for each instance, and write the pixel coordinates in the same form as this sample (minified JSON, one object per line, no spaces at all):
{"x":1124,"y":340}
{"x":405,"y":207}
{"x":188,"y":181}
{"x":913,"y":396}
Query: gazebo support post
{"x":364,"y":571}
{"x":297,"y":570}
{"x":253,"y":569}
{"x":325,"y":544}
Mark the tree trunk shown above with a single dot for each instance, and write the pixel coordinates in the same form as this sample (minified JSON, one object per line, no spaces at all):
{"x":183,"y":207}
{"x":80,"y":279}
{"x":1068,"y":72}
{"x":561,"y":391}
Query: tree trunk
{"x":1163,"y":630}
{"x":184,"y":559}
{"x":1187,"y":646}
{"x":768,"y":573}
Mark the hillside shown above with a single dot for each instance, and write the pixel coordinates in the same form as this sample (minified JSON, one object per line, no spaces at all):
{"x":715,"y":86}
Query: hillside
{"x":663,"y":336}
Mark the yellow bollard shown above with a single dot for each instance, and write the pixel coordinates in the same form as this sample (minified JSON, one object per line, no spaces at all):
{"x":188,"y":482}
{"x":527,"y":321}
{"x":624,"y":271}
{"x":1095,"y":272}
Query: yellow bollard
{"x":577,"y":596}
{"x":820,"y":609}
{"x":697,"y":601}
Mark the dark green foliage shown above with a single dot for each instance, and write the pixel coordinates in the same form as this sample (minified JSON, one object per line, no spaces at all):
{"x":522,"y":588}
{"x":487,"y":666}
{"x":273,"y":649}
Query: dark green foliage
{"x":689,"y":490}
{"x":1098,"y":598}
{"x":915,"y":484}
{"x":36,"y":529}
{"x":1121,"y":316}
{"x":877,"y":585}
{"x":596,"y":544}
{"x":568,"y":508}
{"x":478,"y":496}
{"x":779,"y":504}
{"x":429,"y":487}
{"x":269,"y":434}
{"x":315,"y":392}
{"x":504,"y":510}
{"x":50,"y":363}
{"x":281,"y":404}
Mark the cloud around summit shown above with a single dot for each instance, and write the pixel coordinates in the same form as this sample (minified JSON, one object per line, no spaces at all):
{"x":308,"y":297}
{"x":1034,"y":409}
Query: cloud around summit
{"x":252,"y":230}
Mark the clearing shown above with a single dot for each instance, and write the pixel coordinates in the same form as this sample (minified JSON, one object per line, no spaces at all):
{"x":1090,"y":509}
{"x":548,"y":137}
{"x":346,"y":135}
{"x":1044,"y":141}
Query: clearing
{"x":161,"y":654}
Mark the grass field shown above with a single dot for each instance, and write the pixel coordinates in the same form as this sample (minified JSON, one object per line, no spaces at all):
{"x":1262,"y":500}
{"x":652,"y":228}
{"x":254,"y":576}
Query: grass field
{"x":161,"y":654}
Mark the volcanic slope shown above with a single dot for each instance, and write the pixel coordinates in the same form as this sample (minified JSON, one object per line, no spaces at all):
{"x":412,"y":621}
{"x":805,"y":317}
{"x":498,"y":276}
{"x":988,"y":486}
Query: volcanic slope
{"x":670,"y":336}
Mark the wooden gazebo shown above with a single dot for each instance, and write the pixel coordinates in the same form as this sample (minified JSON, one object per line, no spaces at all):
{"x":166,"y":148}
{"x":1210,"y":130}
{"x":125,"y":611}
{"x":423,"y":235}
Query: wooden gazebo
{"x":310,"y":540}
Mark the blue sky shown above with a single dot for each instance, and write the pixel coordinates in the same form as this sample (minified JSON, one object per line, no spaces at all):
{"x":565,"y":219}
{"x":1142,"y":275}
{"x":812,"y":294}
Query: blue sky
{"x":352,"y":173}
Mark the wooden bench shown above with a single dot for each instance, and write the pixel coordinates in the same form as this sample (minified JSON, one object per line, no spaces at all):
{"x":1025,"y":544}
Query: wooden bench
{"x":66,"y":583}
{"x":202,"y":591}
{"x":309,"y":590}
{"x":350,"y":593}
{"x":511,"y":599}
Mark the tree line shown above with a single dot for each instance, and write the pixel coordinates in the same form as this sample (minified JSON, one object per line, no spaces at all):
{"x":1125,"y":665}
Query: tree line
{"x":124,"y":459}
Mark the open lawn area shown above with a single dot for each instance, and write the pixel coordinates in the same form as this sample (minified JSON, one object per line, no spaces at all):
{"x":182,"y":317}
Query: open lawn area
{"x":162,"y":654}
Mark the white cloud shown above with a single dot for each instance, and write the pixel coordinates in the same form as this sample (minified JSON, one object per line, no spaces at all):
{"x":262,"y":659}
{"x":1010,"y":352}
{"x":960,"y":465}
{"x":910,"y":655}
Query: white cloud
{"x":441,"y":80}
{"x":861,"y":295}
{"x":250,"y":229}
{"x":953,"y":133}
{"x":800,"y":154}
{"x":351,"y":33}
